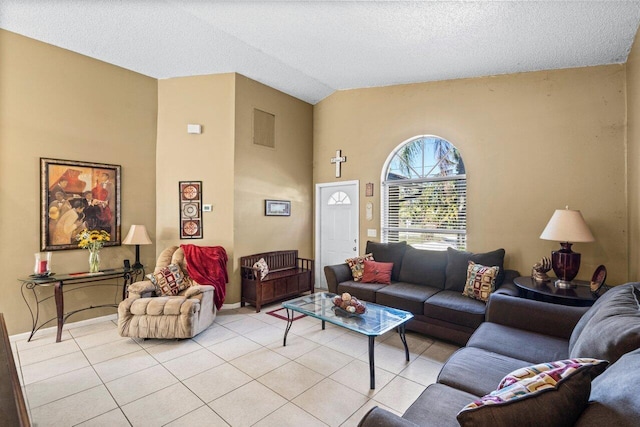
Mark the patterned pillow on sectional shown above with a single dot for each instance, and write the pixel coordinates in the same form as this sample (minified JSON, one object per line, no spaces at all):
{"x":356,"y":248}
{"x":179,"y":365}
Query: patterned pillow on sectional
{"x":377,"y":272}
{"x":567,"y":365}
{"x":481,"y":281}
{"x":169,"y":280}
{"x":554,"y":396}
{"x":458,"y":262}
{"x":357,"y":265}
{"x":262,"y":267}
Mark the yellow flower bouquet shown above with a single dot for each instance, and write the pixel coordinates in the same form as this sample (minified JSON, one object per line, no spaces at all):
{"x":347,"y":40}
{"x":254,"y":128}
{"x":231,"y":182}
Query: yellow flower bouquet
{"x":93,"y":240}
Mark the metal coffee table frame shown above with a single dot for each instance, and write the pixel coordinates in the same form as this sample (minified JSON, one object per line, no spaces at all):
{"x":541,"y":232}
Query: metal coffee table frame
{"x":376,"y":321}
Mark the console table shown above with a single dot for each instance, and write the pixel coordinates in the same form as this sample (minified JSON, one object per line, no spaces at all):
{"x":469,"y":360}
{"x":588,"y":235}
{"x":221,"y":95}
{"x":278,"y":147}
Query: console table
{"x":61,"y":281}
{"x":580,"y":295}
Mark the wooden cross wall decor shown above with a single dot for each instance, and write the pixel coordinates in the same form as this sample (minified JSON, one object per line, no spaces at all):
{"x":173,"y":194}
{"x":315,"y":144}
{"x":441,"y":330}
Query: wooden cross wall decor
{"x":338,"y":160}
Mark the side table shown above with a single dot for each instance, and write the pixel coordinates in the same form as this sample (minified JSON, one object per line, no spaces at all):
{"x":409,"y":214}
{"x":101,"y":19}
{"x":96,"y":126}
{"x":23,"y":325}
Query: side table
{"x":547,"y":291}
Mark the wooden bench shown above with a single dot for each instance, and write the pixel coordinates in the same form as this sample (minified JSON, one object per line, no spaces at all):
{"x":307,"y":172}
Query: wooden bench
{"x":289,"y":276}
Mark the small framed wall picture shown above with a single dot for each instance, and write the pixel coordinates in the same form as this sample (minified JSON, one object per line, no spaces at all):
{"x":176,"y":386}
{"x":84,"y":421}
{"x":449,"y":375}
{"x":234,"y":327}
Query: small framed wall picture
{"x":277,"y":207}
{"x":369,"y":189}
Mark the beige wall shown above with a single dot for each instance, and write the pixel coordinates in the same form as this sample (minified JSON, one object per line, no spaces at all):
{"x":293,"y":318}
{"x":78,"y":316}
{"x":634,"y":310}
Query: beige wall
{"x":531,"y":143}
{"x":208,"y":157}
{"x":237,"y":175}
{"x":58,"y":104}
{"x":280,"y":173}
{"x":633,"y":158}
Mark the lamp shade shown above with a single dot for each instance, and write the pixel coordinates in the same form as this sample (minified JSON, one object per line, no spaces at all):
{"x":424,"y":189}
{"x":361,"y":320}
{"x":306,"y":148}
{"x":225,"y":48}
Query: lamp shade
{"x":567,"y":225}
{"x":137,"y":236}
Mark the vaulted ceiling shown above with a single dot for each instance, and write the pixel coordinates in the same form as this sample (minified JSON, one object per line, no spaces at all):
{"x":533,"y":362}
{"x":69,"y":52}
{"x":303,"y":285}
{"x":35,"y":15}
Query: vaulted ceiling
{"x":309,"y":49}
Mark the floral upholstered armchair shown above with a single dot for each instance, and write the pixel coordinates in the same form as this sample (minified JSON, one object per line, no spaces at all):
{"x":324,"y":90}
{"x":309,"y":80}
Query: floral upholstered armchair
{"x":169,"y":304}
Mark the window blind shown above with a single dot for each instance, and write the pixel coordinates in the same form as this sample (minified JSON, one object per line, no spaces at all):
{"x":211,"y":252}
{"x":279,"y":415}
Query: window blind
{"x":428,"y":213}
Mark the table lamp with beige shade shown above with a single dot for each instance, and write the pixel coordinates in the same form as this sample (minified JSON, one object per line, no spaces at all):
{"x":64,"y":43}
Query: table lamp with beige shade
{"x":137,"y":236}
{"x":566,"y":226}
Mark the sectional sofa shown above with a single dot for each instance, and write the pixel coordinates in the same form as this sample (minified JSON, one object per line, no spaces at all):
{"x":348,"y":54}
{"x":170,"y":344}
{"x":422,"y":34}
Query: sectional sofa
{"x":519,"y":333}
{"x":429,"y":284}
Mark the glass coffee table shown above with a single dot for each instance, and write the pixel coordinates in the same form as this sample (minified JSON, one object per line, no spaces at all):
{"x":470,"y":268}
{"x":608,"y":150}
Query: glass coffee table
{"x":377,"y":320}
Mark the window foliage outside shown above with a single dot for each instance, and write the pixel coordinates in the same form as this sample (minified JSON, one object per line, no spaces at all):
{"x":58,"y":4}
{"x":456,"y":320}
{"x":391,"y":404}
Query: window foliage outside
{"x":425,"y":195}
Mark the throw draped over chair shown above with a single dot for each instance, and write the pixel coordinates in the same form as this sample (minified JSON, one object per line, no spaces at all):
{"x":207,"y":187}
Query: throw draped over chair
{"x":144,"y":315}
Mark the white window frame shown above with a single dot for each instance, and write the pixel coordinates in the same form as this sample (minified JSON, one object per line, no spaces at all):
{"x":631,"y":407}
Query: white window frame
{"x":384,"y":194}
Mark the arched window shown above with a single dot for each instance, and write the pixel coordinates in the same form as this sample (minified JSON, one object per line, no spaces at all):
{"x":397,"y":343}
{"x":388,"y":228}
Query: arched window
{"x":339,"y":198}
{"x":424,"y":197}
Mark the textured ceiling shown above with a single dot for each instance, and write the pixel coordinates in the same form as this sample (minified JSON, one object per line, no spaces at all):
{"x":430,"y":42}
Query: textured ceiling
{"x":311,"y":49}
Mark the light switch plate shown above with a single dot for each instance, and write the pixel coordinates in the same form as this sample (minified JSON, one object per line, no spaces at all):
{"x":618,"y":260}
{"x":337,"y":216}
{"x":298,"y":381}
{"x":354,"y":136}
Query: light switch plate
{"x":207,"y":208}
{"x":372,"y":232}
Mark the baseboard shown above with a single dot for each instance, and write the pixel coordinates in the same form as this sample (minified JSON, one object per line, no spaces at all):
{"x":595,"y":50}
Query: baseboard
{"x":25,"y":335}
{"x":230,"y":306}
{"x":78,"y":324}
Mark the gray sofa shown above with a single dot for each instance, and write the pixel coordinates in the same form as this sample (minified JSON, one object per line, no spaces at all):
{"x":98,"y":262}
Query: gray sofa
{"x":520,"y":332}
{"x":429,"y":284}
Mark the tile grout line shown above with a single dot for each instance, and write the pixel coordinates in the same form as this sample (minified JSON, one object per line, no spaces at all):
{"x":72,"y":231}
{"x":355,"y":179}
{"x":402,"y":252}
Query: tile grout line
{"x":103,"y":385}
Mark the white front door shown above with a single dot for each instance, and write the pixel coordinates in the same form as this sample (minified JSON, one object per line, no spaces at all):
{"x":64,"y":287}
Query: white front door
{"x":337,"y":225}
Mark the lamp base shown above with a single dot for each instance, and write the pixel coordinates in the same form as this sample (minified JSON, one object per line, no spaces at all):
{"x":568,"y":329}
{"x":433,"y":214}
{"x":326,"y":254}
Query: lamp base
{"x":137,"y":265}
{"x":565,"y":263}
{"x":565,"y":284}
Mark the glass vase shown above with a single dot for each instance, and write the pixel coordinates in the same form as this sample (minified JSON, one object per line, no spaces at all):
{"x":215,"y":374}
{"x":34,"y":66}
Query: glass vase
{"x":94,"y":260}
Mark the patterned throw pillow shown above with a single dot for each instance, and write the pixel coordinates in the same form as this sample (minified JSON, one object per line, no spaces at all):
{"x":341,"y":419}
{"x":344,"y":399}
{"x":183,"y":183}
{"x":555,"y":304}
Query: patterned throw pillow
{"x":458,"y":262}
{"x":169,"y":280}
{"x":481,"y":281}
{"x":543,"y":370}
{"x":549,"y":394}
{"x":262,"y":267}
{"x":377,"y":272}
{"x":357,"y":265}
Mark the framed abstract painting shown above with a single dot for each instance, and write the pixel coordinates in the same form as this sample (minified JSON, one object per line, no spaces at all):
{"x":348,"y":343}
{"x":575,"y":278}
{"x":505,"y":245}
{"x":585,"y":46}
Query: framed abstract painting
{"x":74,"y":196}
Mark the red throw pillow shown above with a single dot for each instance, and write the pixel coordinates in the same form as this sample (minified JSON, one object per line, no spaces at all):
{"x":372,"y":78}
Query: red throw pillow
{"x":377,"y":272}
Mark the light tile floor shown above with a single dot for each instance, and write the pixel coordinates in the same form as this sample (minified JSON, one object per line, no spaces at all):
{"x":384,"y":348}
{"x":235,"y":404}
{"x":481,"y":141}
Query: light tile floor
{"x":236,"y":373}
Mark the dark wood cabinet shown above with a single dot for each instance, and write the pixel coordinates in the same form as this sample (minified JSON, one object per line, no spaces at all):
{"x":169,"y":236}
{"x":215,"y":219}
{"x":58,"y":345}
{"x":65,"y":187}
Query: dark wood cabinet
{"x":13,"y":410}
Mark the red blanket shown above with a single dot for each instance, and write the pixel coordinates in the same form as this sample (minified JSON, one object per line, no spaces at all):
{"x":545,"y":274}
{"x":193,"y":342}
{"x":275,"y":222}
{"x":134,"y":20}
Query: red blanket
{"x":207,"y":265}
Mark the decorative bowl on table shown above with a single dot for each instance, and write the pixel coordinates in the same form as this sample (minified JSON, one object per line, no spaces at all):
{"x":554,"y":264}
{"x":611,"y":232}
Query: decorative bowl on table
{"x":346,"y":304}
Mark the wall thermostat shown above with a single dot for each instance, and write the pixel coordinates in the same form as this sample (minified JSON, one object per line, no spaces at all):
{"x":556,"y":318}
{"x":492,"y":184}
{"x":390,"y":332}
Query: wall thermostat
{"x":197,"y":129}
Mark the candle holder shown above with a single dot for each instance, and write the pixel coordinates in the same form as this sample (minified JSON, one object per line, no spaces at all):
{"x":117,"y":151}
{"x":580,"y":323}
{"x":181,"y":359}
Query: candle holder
{"x":42,"y":266}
